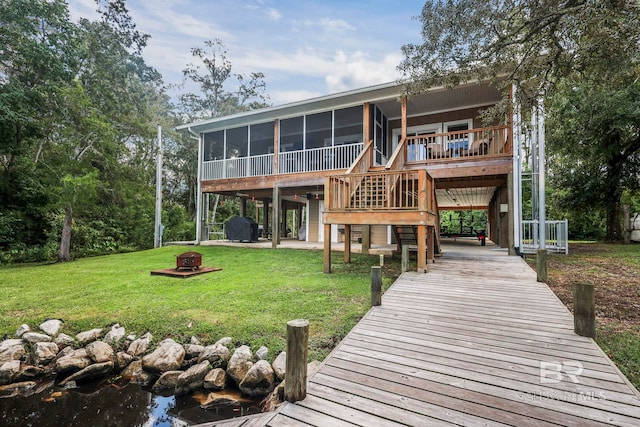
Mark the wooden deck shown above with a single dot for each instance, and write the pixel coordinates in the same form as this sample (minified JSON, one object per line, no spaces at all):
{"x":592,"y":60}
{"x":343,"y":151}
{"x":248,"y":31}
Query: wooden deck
{"x":476,"y":341}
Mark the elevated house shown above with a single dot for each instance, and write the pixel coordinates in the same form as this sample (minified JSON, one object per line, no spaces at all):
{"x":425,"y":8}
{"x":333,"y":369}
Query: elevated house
{"x":365,"y":165}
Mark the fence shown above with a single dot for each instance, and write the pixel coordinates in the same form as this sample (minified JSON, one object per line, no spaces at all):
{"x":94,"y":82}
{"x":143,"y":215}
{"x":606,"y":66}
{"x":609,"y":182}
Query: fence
{"x":556,"y":236}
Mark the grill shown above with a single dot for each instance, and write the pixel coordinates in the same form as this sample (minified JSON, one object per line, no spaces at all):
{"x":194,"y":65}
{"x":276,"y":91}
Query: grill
{"x":189,"y":260}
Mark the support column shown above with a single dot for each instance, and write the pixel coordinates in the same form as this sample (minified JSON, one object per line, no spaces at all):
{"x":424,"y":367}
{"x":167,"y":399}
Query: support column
{"x":327,"y":248}
{"x":422,"y":249}
{"x":347,"y":243}
{"x":265,"y":217}
{"x":511,"y":238}
{"x":275,"y":220}
{"x":366,"y":239}
{"x":431,"y":244}
{"x":243,"y":207}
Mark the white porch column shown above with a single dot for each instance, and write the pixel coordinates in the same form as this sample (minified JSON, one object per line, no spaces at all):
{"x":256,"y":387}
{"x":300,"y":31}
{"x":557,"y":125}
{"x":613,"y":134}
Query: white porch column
{"x":199,"y":191}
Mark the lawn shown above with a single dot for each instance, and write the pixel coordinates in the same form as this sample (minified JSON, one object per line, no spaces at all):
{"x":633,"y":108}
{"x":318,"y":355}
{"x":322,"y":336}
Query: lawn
{"x":614,"y":270}
{"x":250,"y":299}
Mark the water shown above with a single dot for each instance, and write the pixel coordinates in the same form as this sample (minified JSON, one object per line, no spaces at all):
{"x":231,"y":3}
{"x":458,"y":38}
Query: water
{"x":116,"y":405}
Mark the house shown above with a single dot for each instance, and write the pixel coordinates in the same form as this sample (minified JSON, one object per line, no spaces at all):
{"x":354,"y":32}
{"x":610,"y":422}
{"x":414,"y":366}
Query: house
{"x":365,"y":165}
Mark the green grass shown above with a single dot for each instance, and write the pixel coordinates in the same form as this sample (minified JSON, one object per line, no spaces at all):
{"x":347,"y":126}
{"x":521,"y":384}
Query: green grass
{"x":250,"y":300}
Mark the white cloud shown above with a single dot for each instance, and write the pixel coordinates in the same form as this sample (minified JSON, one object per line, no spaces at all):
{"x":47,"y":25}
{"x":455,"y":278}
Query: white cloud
{"x":280,"y":97}
{"x":335,"y":25}
{"x":274,"y":14}
{"x":358,"y":70}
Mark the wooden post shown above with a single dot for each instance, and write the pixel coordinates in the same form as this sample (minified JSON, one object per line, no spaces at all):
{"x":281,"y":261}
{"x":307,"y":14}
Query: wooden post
{"x":366,"y":239}
{"x":327,"y":248}
{"x":265,"y":218}
{"x":295,"y":385}
{"x":376,"y":285}
{"x":275,"y":217}
{"x":405,"y":258}
{"x":422,"y":249}
{"x":347,"y":243}
{"x":584,"y":310}
{"x":541,"y":265}
{"x":431,"y":244}
{"x":403,"y":119}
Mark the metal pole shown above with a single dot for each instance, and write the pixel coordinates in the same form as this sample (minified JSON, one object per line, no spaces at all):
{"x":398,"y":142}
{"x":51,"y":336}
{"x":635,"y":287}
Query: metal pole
{"x":542,"y":217}
{"x":157,"y":241}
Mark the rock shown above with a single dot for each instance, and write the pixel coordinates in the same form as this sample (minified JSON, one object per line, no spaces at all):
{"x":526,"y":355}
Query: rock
{"x":51,"y":326}
{"x":193,"y":378}
{"x":262,"y":353}
{"x":240,"y":363}
{"x":34,"y":337}
{"x":100,"y":352}
{"x":131,"y":337}
{"x":114,"y":335}
{"x":280,"y":365}
{"x":259,"y":381}
{"x":15,"y":389}
{"x":45,"y":352}
{"x":132,"y":369}
{"x":195,"y":341}
{"x":74,"y":361}
{"x":64,"y":352}
{"x":86,"y":337}
{"x":167,"y":357}
{"x":216,"y":379}
{"x":22,"y":329}
{"x":96,"y":370}
{"x":193,"y":350}
{"x":187,"y":363}
{"x":64,"y":340}
{"x":226,"y":341}
{"x":122,"y":360}
{"x":136,"y":375}
{"x":9,"y":371}
{"x":218,"y":399}
{"x":11,"y":350}
{"x":217,"y":355}
{"x":29,"y":372}
{"x":167,"y":381}
{"x":140,"y":346}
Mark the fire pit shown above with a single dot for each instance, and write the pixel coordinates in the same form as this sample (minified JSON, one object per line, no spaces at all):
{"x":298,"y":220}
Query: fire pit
{"x":189,"y":260}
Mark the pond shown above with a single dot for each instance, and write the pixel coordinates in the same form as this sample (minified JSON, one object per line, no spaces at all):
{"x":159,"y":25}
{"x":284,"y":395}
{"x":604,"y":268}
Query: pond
{"x":117,"y":405}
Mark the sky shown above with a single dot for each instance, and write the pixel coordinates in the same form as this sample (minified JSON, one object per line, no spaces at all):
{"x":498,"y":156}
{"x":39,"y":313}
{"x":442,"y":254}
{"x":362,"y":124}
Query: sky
{"x":304,"y":48}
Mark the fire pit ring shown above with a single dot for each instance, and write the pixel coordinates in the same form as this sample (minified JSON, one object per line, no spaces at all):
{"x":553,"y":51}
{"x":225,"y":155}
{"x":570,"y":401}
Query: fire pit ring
{"x":189,"y":260}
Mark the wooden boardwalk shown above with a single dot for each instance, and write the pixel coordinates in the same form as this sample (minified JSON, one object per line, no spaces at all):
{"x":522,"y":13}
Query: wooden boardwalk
{"x":476,"y":341}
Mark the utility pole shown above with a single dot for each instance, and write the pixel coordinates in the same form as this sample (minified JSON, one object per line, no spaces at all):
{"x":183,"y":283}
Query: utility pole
{"x":157,"y":239}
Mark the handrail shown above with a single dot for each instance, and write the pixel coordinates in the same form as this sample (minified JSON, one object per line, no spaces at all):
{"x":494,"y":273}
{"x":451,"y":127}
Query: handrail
{"x":364,"y":161}
{"x":480,"y":142}
{"x":386,"y":190}
{"x":399,"y":157}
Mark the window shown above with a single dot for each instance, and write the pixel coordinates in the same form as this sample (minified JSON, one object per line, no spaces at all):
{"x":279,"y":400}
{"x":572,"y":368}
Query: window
{"x":237,"y":142}
{"x":458,"y":141}
{"x":347,"y":126}
{"x":318,"y":130}
{"x":291,"y":134}
{"x":214,"y":146}
{"x":261,"y":139}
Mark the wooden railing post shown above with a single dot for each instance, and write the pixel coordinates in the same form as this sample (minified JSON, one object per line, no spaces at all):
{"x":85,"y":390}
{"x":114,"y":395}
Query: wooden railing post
{"x":541,"y":265}
{"x":376,"y":286}
{"x":295,"y":385}
{"x":584,"y":310}
{"x":405,"y":258}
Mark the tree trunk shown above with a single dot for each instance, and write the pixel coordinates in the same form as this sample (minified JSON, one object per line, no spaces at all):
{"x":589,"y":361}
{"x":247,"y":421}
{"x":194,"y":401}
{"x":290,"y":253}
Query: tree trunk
{"x":613,"y":194}
{"x":626,"y":224}
{"x":65,"y":238}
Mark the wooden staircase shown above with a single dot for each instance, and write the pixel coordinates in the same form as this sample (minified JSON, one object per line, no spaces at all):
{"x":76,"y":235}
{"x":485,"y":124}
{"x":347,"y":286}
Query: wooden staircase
{"x":391,"y":195}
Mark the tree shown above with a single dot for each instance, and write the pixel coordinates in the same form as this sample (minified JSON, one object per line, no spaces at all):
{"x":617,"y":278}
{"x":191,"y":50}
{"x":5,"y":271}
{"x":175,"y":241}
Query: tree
{"x":220,"y":92}
{"x":543,"y":47}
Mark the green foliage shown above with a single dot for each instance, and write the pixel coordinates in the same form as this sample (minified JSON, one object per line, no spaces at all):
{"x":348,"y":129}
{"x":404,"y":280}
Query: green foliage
{"x":463,"y":222}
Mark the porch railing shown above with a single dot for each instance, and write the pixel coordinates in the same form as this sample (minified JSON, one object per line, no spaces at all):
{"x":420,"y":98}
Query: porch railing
{"x":556,"y":236}
{"x":489,"y":141}
{"x":318,"y":159}
{"x":389,"y":190}
{"x":238,"y":168}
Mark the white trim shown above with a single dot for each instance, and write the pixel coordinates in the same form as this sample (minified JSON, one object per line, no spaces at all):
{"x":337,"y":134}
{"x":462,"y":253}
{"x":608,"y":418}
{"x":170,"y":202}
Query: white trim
{"x":431,"y":127}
